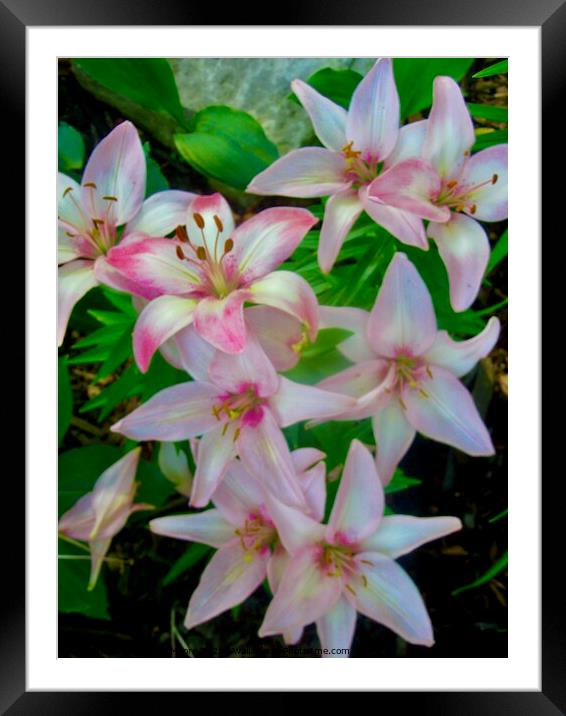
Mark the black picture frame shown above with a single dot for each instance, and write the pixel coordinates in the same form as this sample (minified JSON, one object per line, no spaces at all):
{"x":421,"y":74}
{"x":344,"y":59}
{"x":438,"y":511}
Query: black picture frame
{"x":15,"y":16}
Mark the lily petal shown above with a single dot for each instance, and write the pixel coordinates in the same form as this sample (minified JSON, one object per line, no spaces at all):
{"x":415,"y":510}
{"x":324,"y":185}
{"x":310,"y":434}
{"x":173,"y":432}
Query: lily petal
{"x":215,"y":452}
{"x":464,"y":247}
{"x":340,"y":214}
{"x":160,"y":319}
{"x":117,"y":168}
{"x":304,"y":595}
{"x":313,"y":482}
{"x":459,"y":357}
{"x":265,"y":454}
{"x":402,"y":320}
{"x":266,"y":240}
{"x":195,"y":353}
{"x":69,"y":207}
{"x":305,"y":458}
{"x":403,"y":225}
{"x":207,"y":527}
{"x":336,"y":628}
{"x":155,"y":266}
{"x":393,"y":437}
{"x":75,"y":279}
{"x":161,"y":213}
{"x":211,"y":235}
{"x":236,"y":373}
{"x":373,"y":116}
{"x":220,"y":321}
{"x":450,"y":130}
{"x":489,"y":165}
{"x":359,"y":502}
{"x":278,"y":333}
{"x":305,"y":173}
{"x":391,"y":598}
{"x":447,"y":413}
{"x":357,"y":380}
{"x":401,"y":534}
{"x":409,"y":143}
{"x":356,"y":347}
{"x":290,"y":293}
{"x":294,"y":402}
{"x":177,"y":413}
{"x":229,"y":578}
{"x":239,"y":494}
{"x":79,"y":520}
{"x":296,"y":529}
{"x":411,"y":185}
{"x":327,"y":117}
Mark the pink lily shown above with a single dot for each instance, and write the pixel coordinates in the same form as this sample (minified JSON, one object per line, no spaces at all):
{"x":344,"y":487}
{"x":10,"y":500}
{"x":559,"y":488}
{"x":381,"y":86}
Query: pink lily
{"x":207,"y":273}
{"x":110,"y":195}
{"x":242,"y":530}
{"x":238,"y":404}
{"x":406,"y":372}
{"x":347,"y":566}
{"x":356,"y":143}
{"x":472,"y":187}
{"x":99,"y":515}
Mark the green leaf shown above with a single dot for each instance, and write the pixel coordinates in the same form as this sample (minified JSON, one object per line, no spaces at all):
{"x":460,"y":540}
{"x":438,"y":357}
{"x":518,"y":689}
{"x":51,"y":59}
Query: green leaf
{"x":492,"y":572}
{"x":488,"y":111}
{"x":498,"y":253}
{"x":65,"y":399}
{"x":155,"y":180}
{"x":499,"y":516}
{"x":193,"y":554}
{"x":120,"y":300}
{"x":400,"y":482}
{"x":227,"y":145}
{"x":105,"y":336}
{"x":148,"y":82}
{"x":414,"y":77}
{"x":110,"y":318}
{"x":497,"y":69}
{"x":115,"y":393}
{"x":327,"y":339}
{"x":119,"y":353}
{"x":71,"y":148}
{"x":73,"y":577}
{"x":488,"y":139}
{"x":337,"y":85}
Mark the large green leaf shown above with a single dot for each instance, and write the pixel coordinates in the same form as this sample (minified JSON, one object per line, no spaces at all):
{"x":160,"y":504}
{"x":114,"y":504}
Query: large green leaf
{"x":414,"y":77}
{"x":148,"y":82}
{"x":70,"y":147}
{"x":65,"y":399}
{"x":155,"y":180}
{"x":227,"y":145}
{"x":496,"y":69}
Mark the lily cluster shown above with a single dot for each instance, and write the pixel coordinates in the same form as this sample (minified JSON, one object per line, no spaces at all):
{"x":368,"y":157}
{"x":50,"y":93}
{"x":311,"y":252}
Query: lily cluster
{"x":213,"y":299}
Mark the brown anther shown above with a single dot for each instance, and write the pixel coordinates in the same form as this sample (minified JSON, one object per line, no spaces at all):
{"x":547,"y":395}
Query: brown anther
{"x":90,"y":184}
{"x":494,"y":178}
{"x":467,"y":153}
{"x":351,"y":589}
{"x":402,"y":402}
{"x":181,"y":233}
{"x":451,"y":184}
{"x":225,"y":429}
{"x":366,"y":561}
{"x":199,"y":221}
{"x":67,"y":190}
{"x":423,"y":393}
{"x":96,"y":222}
{"x":68,"y":233}
{"x":473,"y":209}
{"x":236,"y":434}
{"x":179,"y":252}
{"x":228,"y":246}
{"x":429,"y":372}
{"x":201,"y":253}
{"x":110,"y":198}
{"x":364,"y":580}
{"x":218,"y":222}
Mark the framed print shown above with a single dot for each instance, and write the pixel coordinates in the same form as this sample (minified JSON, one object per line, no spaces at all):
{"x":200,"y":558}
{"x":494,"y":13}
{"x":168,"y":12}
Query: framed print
{"x":281,"y":309}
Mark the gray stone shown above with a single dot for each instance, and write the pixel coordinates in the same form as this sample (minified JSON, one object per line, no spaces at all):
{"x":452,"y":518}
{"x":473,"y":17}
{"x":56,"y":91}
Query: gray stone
{"x":259,"y":86}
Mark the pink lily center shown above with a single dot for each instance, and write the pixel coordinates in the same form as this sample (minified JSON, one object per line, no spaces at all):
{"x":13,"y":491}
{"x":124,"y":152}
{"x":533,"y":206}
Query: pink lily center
{"x":102,"y":232}
{"x":409,"y":372}
{"x":459,"y":197}
{"x":360,"y":169}
{"x":338,"y":560}
{"x":208,"y":260}
{"x":257,"y":535}
{"x":244,"y":407}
